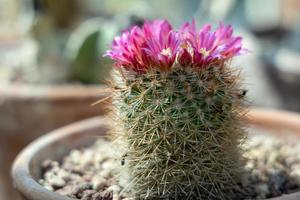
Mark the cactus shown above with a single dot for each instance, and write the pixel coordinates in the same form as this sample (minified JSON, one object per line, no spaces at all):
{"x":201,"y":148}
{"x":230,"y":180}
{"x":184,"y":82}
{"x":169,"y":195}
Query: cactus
{"x":85,"y":44}
{"x":180,"y":106}
{"x":83,"y":47}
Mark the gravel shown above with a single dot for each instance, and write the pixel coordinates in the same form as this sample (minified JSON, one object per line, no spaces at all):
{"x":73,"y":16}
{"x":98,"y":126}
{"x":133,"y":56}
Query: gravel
{"x":272,"y":169}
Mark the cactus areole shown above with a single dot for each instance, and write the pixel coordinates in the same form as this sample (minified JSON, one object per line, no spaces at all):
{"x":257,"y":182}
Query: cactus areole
{"x":179,"y":106}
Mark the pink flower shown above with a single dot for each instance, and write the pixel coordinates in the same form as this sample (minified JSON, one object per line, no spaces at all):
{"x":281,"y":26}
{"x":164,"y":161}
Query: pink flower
{"x":126,"y":49}
{"x":157,"y":45}
{"x":161,"y":50}
{"x":210,"y":47}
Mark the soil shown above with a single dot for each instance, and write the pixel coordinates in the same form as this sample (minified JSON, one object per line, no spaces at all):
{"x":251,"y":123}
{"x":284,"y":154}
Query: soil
{"x":272,"y":169}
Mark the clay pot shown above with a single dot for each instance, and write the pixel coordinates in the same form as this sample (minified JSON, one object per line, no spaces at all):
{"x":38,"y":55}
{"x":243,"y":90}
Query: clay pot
{"x":284,"y":78}
{"x":27,"y":112}
{"x":27,"y":167}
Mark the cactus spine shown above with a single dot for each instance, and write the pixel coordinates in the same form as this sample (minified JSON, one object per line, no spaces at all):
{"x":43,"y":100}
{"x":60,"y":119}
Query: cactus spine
{"x":180,"y":106}
{"x":182,"y":132}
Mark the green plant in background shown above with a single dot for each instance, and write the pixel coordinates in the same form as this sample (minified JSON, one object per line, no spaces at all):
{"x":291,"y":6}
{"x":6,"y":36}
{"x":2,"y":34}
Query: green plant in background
{"x":180,"y":106}
{"x":51,"y":30}
{"x":73,"y":52}
{"x":83,"y":48}
{"x":85,"y":43}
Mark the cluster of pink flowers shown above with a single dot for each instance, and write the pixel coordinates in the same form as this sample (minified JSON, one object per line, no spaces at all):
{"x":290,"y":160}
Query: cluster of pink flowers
{"x":158,"y":45}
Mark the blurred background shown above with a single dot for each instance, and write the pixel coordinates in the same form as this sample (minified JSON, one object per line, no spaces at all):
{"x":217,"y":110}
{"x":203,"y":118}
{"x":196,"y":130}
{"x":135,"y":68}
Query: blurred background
{"x":51,"y":68}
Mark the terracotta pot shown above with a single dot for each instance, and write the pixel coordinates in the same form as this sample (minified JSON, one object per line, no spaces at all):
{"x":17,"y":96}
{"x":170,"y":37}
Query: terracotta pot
{"x":55,"y":145}
{"x":27,"y":112}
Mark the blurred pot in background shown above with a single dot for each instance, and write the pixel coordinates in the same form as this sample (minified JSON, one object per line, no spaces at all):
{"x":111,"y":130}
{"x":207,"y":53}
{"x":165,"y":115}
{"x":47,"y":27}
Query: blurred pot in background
{"x":277,"y":29}
{"x":282,"y":67}
{"x":31,"y":100}
{"x":276,"y":18}
{"x":57,"y":77}
{"x":27,"y":111}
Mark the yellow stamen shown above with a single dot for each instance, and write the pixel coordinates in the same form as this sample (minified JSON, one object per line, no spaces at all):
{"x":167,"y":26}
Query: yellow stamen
{"x":184,"y":45}
{"x":166,"y":52}
{"x":204,"y":52}
{"x":188,"y":47}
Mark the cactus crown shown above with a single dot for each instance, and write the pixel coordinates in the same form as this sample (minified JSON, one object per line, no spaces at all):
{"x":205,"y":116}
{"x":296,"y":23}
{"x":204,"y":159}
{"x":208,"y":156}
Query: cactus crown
{"x":180,"y":105}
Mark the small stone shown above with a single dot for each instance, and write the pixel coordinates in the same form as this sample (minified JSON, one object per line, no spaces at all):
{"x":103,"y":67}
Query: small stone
{"x":249,"y":165}
{"x":87,"y":194}
{"x":87,"y":158}
{"x":106,"y":173}
{"x":295,"y":173}
{"x":48,"y":187}
{"x":116,"y":197}
{"x":96,"y":196}
{"x":99,"y":158}
{"x":56,"y":181}
{"x":107,"y":195}
{"x":109,"y":164}
{"x":75,"y":156}
{"x":77,"y":191}
{"x":102,"y":196}
{"x":114,"y":188}
{"x":66,"y":191}
{"x":262,"y":189}
{"x":63,"y":175}
{"x":98,"y":182}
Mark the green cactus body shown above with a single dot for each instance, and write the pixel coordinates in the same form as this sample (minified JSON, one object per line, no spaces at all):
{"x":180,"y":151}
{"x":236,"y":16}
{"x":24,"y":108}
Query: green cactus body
{"x":180,"y":106}
{"x":182,"y":132}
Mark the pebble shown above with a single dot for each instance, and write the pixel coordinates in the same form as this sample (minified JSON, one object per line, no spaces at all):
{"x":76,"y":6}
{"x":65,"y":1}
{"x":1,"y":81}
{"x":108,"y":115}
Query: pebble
{"x":116,"y":197}
{"x":63,"y":175}
{"x":75,"y":156}
{"x":55,"y":181}
{"x":99,"y":182}
{"x":271,"y":169}
{"x":109,"y":164}
{"x":78,"y":190}
{"x":88,"y":194}
{"x":262,"y":189}
{"x":114,"y":189}
{"x":106,"y":173}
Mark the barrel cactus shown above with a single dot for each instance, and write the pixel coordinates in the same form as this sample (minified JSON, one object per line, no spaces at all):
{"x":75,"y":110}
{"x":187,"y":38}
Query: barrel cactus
{"x":179,"y":108}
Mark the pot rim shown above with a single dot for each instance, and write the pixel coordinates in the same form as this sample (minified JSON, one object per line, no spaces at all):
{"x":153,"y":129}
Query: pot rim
{"x":52,"y":92}
{"x":27,"y":186}
{"x":21,"y":172}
